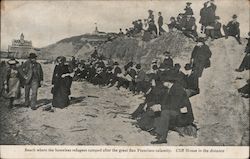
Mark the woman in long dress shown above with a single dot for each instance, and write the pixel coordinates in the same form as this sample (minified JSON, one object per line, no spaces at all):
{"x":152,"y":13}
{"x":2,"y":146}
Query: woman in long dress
{"x":12,"y":83}
{"x":62,"y":80}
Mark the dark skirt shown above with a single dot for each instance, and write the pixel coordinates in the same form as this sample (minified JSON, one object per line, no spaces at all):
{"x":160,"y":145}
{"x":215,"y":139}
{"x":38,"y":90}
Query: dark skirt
{"x":60,"y":98}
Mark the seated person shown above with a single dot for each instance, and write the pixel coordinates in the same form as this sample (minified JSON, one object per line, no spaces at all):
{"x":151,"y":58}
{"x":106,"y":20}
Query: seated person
{"x":189,"y":28}
{"x":167,"y":62}
{"x":172,"y":24}
{"x":214,"y":31}
{"x":232,"y":29}
{"x":175,"y":111}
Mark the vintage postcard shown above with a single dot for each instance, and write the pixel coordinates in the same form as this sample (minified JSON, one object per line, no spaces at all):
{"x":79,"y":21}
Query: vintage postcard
{"x":124,"y":79}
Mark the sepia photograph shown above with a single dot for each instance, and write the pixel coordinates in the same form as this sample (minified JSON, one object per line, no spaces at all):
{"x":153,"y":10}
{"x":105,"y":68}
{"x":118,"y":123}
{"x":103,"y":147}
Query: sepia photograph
{"x":125,"y":73}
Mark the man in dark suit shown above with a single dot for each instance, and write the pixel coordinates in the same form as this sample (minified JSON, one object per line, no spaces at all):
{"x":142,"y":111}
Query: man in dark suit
{"x":189,"y":28}
{"x":32,"y":73}
{"x":200,"y":57}
{"x":160,"y":23}
{"x":175,"y":111}
{"x":232,"y":29}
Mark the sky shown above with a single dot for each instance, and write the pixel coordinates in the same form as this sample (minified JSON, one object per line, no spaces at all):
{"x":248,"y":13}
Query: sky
{"x":46,"y":22}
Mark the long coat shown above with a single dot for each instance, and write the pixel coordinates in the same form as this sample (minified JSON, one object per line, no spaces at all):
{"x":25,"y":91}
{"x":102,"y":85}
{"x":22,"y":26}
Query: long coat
{"x":210,"y":14}
{"x":61,"y":89}
{"x":190,"y":25}
{"x":175,"y":100}
{"x":200,"y":56}
{"x":27,"y":69}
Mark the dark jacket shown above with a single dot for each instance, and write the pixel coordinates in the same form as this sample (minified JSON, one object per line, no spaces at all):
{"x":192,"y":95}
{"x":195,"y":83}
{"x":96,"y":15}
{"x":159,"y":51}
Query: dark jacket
{"x":160,"y":21}
{"x":26,"y":70}
{"x":233,"y":28}
{"x":203,"y":14}
{"x":201,"y":54}
{"x":117,"y":70}
{"x":167,"y":63}
{"x":217,"y":29}
{"x":190,"y":25}
{"x":210,"y":14}
{"x":175,"y":100}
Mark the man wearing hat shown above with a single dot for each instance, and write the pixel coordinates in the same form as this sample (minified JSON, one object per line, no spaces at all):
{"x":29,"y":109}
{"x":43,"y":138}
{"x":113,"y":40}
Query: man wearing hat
{"x":32,"y":73}
{"x":189,"y":28}
{"x":232,"y":29}
{"x":167,"y":62}
{"x":200,"y":57}
{"x":175,"y":110}
{"x":188,"y":9}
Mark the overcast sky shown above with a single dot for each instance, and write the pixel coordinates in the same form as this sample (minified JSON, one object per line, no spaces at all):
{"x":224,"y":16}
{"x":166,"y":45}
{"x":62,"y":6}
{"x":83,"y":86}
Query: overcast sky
{"x":46,"y":22}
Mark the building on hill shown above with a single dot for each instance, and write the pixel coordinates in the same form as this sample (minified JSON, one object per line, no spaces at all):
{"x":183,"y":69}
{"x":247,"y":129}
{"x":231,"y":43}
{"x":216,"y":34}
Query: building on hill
{"x":20,"y":47}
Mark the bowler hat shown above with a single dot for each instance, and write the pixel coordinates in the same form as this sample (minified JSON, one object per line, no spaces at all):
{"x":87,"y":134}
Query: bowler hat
{"x":150,"y":11}
{"x":12,"y":61}
{"x":235,"y":16}
{"x":116,"y":63}
{"x":32,"y":55}
{"x":188,"y":3}
{"x":138,"y":66}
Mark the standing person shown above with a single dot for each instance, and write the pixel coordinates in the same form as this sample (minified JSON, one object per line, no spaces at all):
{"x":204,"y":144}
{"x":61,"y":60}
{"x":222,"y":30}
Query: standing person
{"x":203,"y":19}
{"x":232,"y":29}
{"x":160,"y":24}
{"x":32,"y":72}
{"x":210,"y":12}
{"x":12,"y":82}
{"x":200,"y":57}
{"x":62,"y":80}
{"x":150,"y":16}
{"x":188,"y":9}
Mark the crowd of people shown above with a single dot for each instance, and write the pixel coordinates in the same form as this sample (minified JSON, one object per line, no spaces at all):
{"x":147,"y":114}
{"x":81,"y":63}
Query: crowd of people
{"x":186,"y":23}
{"x":165,"y":87}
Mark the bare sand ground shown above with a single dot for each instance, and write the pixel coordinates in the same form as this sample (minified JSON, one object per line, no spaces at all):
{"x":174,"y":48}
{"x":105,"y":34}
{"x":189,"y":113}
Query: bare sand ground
{"x":100,"y":116}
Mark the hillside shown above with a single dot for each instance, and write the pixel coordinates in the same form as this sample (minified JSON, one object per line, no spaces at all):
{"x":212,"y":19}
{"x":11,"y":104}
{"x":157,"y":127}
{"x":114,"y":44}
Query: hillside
{"x":80,"y":46}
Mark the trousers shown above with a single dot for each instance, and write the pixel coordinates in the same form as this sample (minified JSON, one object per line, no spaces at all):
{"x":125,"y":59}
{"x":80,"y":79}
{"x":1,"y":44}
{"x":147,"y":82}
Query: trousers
{"x":33,"y":86}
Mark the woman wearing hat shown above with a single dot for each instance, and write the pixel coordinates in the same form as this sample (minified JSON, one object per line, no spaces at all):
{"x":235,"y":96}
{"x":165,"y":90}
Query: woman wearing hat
{"x":12,"y":83}
{"x":61,"y":81}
